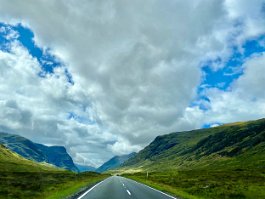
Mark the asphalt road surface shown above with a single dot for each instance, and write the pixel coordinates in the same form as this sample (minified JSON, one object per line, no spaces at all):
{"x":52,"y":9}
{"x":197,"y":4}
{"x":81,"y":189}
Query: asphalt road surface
{"x":117,"y":187}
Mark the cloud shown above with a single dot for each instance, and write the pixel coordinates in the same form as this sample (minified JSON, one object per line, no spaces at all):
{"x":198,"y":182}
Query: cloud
{"x":250,"y":14}
{"x":245,"y":99}
{"x":135,"y":65}
{"x":38,"y":107}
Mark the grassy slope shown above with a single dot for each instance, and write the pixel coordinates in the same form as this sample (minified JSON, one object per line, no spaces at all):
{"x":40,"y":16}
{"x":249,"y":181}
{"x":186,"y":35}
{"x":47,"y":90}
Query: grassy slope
{"x":234,"y":146}
{"x":195,"y":184}
{"x":222,"y":162}
{"x":12,"y":162}
{"x":22,"y":178}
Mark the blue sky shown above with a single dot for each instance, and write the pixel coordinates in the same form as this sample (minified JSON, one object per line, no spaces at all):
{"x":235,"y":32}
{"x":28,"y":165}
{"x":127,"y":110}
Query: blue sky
{"x":229,"y":70}
{"x":232,"y":67}
{"x":106,"y":81}
{"x":47,"y":61}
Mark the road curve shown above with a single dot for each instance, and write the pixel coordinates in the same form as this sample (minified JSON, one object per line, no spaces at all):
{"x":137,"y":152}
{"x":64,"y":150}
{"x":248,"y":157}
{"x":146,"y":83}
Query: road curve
{"x":117,"y":187}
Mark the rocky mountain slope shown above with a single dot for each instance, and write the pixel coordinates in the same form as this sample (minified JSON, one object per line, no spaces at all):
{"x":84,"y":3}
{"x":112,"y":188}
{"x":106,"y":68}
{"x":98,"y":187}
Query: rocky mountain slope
{"x":56,"y":155}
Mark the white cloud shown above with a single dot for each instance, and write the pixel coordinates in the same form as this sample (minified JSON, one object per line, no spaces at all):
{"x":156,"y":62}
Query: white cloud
{"x":38,"y":107}
{"x":135,"y":64}
{"x":250,"y":13}
{"x":245,"y":100}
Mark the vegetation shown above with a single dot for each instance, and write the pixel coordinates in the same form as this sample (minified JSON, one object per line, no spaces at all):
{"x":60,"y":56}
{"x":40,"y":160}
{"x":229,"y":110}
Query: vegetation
{"x":21,"y":178}
{"x":207,"y":184}
{"x":221,"y":162}
{"x":50,"y":185}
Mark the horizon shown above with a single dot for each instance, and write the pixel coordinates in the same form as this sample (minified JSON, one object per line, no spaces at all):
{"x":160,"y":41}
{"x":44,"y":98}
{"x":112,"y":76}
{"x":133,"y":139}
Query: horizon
{"x":106,"y":78}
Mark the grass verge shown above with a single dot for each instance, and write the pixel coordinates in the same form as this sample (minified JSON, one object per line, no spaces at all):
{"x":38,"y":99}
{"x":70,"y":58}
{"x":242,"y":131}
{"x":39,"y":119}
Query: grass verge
{"x":202,"y":184}
{"x":48,"y":185}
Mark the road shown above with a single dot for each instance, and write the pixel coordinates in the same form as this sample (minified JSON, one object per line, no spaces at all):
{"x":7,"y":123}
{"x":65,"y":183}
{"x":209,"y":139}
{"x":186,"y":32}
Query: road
{"x":117,"y":187}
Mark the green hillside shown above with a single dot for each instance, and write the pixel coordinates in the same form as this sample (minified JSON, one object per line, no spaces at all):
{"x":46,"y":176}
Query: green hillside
{"x":238,"y":145}
{"x":12,"y":162}
{"x":21,"y":178}
{"x":222,"y":162}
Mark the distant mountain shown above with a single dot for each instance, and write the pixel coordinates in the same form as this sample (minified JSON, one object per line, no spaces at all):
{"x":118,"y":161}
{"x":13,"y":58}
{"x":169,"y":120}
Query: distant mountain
{"x":56,"y":155}
{"x":235,"y":146}
{"x":84,"y":168}
{"x":114,"y":162}
{"x":12,"y":162}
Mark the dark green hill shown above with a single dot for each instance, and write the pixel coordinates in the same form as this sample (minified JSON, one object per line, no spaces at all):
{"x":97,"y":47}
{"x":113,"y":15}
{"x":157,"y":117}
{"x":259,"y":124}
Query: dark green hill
{"x":114,"y":162}
{"x":238,"y":145}
{"x":222,"y":162}
{"x":56,"y":155}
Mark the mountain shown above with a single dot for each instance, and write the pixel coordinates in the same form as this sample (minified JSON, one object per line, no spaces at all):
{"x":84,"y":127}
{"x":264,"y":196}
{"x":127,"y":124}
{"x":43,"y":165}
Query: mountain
{"x":238,"y":145}
{"x":84,"y":168}
{"x":56,"y":155}
{"x":12,"y":162}
{"x":114,"y":162}
{"x":22,"y":146}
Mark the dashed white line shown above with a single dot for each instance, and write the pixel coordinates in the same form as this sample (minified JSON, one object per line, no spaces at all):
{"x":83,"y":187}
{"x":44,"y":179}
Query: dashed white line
{"x":128,"y":192}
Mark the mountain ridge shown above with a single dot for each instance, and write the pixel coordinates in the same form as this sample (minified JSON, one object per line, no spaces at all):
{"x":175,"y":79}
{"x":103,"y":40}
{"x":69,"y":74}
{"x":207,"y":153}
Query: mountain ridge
{"x":114,"y":162}
{"x":56,"y":155}
{"x":204,"y":148}
{"x":13,"y":162}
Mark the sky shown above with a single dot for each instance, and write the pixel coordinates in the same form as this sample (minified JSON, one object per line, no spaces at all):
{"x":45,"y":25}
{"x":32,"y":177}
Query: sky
{"x":105,"y":77}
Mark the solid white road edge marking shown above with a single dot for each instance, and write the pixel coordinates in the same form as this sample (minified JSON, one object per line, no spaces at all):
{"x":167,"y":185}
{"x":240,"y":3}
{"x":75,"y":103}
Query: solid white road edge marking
{"x":90,"y":189}
{"x":128,"y":192}
{"x":152,"y":188}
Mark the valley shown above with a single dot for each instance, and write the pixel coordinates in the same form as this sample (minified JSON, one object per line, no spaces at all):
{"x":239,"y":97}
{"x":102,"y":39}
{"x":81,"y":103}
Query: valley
{"x":141,"y":99}
{"x":221,"y":162}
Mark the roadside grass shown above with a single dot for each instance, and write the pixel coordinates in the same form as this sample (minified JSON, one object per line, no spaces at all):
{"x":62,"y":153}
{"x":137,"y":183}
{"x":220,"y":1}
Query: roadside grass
{"x":40,"y":185}
{"x":21,"y":178}
{"x":207,"y":184}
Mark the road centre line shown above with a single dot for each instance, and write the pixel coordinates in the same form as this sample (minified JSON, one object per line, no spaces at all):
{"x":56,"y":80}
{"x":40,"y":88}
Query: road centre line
{"x":128,"y":192}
